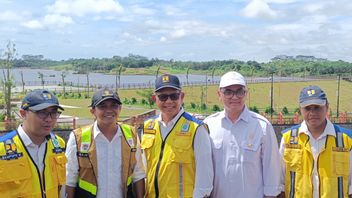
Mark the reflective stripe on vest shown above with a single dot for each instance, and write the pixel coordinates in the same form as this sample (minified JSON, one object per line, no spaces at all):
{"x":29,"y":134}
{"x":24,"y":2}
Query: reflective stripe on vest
{"x":293,"y":140}
{"x":87,"y":186}
{"x":86,"y":139}
{"x":127,"y":131}
{"x":339,"y":143}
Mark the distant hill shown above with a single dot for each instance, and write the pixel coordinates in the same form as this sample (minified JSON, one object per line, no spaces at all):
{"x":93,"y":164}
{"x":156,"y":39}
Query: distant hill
{"x":282,"y":65}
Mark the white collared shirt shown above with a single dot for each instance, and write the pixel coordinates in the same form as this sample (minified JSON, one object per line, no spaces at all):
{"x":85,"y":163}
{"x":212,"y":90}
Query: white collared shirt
{"x":109,"y":159}
{"x":202,"y":152}
{"x":36,"y":152}
{"x":245,"y":155}
{"x":316,"y":146}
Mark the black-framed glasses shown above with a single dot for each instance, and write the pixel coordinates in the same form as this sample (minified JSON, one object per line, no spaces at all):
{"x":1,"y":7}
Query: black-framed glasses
{"x":164,"y":97}
{"x":228,"y":93}
{"x":45,"y":114}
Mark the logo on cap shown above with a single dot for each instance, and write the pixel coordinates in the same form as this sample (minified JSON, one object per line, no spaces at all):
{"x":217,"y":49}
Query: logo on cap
{"x":46,"y":96}
{"x":107,"y":93}
{"x":311,"y":92}
{"x":165,"y":79}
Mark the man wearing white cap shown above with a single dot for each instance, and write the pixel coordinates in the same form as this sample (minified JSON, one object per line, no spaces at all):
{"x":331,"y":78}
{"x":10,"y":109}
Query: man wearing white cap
{"x":245,"y":151}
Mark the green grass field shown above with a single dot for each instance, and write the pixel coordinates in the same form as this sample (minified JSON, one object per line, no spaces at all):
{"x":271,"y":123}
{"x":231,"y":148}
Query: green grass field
{"x":285,"y":94}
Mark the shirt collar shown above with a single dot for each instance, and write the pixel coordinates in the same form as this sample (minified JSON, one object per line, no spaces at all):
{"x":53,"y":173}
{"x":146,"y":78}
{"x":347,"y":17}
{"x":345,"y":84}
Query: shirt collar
{"x":97,"y":131}
{"x":329,"y":129}
{"x":25,"y":138}
{"x":174,"y":120}
{"x":245,"y":115}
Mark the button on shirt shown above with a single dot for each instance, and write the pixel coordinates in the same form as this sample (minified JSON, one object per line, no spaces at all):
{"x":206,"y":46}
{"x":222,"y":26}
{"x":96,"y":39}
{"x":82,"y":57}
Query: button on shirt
{"x":202,"y":153}
{"x":317,"y":146}
{"x":109,"y":159}
{"x":35,"y":151}
{"x":245,"y":155}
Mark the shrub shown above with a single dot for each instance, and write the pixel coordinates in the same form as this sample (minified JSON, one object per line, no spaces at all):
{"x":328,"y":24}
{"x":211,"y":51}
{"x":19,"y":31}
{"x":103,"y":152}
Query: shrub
{"x":133,"y":100}
{"x":298,"y":110}
{"x":126,"y":101}
{"x":269,"y":110}
{"x":143,"y":101}
{"x":285,"y":111}
{"x":216,"y":108}
{"x":254,"y":109}
{"x":193,"y":105}
{"x":203,"y":106}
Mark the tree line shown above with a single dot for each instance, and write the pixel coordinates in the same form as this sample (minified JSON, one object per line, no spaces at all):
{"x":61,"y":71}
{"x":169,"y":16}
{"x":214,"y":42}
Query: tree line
{"x":291,"y":67}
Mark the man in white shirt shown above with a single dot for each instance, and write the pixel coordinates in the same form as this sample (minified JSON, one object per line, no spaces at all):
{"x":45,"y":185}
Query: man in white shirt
{"x":104,"y":159}
{"x":316,"y":155}
{"x":177,"y":146}
{"x":32,"y":158}
{"x":245,"y":150}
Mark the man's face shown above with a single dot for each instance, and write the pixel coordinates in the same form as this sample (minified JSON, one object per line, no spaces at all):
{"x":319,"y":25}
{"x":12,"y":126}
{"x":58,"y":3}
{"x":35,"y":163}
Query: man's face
{"x":169,"y":101}
{"x":233,"y":97}
{"x":107,"y":112}
{"x":315,"y":115}
{"x":39,"y":123}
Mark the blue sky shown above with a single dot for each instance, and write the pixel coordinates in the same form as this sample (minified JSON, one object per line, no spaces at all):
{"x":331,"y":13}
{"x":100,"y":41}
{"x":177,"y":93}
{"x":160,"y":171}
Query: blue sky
{"x":181,"y":30}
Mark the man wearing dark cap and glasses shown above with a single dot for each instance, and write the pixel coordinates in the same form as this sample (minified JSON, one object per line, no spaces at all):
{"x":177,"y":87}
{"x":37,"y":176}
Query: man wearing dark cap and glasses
{"x":104,"y":158}
{"x":177,"y":146}
{"x":316,"y":155}
{"x":32,"y":158}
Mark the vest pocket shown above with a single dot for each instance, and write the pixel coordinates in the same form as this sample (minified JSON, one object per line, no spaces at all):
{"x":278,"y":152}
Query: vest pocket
{"x":293,"y":159}
{"x":15,"y":178}
{"x":147,"y":141}
{"x":340,"y":163}
{"x":59,"y":168}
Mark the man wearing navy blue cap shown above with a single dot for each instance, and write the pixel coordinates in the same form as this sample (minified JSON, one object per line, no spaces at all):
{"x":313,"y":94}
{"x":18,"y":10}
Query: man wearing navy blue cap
{"x":105,"y":157}
{"x":177,"y":146}
{"x":32,"y":158}
{"x":316,"y":155}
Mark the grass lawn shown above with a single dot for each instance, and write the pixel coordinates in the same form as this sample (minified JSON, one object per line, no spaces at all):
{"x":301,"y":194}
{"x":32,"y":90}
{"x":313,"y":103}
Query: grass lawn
{"x":285,"y":94}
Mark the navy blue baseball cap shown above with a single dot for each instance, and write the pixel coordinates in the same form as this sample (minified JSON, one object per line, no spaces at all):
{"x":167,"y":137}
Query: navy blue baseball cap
{"x":40,"y":99}
{"x":312,"y":95}
{"x":104,"y":94}
{"x":167,"y":81}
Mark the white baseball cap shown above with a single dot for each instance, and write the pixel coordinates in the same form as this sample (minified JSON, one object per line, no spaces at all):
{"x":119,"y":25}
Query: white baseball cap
{"x":232,"y":78}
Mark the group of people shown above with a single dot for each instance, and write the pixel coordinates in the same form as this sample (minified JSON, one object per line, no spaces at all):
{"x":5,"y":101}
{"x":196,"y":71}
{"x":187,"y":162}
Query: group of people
{"x":232,"y":153}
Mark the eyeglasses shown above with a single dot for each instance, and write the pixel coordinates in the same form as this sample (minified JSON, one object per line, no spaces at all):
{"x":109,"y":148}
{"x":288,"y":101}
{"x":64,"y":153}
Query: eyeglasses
{"x":173,"y":96}
{"x":103,"y":107}
{"x":45,"y":114}
{"x":228,"y":93}
{"x":315,"y":108}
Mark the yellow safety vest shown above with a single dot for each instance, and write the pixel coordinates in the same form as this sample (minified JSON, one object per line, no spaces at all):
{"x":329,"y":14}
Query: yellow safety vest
{"x":170,"y":163}
{"x":333,"y":164}
{"x":87,"y":160}
{"x":19,"y":175}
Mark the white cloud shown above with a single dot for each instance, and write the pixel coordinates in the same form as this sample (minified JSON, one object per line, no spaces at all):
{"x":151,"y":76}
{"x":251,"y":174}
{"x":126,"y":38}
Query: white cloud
{"x":57,"y":20}
{"x":136,"y":9}
{"x":163,"y":39}
{"x":49,"y":21}
{"x":33,"y":24}
{"x":10,"y":16}
{"x":84,"y":7}
{"x":178,"y":33}
{"x":258,"y":9}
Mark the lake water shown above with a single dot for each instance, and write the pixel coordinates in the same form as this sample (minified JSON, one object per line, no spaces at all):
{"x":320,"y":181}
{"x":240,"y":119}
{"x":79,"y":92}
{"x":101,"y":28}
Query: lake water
{"x":51,"y":77}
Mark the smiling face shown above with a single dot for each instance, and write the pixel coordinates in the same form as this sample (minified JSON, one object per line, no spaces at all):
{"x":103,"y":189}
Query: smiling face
{"x":233,"y":97}
{"x":315,"y":117}
{"x":169,"y":102}
{"x":107,"y":112}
